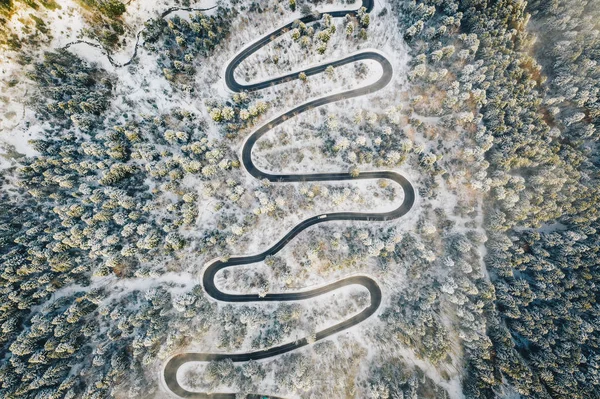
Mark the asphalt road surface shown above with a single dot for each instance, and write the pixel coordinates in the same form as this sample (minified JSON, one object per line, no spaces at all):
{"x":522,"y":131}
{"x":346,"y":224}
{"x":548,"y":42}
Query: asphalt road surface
{"x":208,"y":279}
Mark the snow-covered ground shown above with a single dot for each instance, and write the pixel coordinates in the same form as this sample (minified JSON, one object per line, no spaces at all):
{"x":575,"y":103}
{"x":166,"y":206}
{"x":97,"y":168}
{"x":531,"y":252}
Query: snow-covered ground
{"x":144,"y":81}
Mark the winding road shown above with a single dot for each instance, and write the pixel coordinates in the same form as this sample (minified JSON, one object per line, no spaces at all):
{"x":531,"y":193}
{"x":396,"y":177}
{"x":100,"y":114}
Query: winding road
{"x":208,"y":279}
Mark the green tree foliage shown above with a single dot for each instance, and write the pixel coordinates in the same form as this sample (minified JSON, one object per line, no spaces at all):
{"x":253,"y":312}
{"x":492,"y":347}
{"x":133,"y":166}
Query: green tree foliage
{"x":71,"y":91}
{"x":534,"y":138}
{"x":178,"y":41}
{"x":110,"y":8}
{"x":81,"y":214}
{"x":388,"y":379}
{"x":34,"y":31}
{"x":103,"y":18}
{"x":103,"y":198}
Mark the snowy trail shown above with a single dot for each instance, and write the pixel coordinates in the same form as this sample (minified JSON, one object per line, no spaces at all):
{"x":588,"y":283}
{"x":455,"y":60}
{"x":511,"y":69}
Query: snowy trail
{"x":178,"y":360}
{"x":109,"y":54}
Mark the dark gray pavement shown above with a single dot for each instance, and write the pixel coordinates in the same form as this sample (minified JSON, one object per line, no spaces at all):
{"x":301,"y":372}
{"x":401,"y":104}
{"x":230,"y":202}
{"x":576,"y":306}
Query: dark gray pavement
{"x":208,"y":280}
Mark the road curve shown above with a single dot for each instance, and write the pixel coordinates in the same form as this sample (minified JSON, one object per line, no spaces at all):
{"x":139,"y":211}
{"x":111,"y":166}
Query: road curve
{"x":208,"y":279}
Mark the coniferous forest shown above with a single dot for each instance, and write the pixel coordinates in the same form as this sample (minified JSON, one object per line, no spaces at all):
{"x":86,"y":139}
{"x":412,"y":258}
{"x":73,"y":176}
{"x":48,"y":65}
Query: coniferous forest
{"x":130,"y":167}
